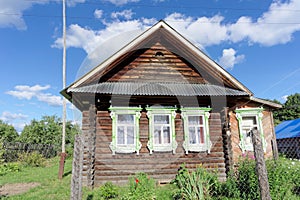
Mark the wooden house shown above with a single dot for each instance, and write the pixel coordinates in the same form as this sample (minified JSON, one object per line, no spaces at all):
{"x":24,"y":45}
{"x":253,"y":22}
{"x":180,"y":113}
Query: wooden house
{"x":160,"y":102}
{"x":288,"y":138}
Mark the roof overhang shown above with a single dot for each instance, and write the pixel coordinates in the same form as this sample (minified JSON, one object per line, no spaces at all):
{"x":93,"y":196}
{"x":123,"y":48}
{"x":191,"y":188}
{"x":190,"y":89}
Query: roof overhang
{"x":157,"y":89}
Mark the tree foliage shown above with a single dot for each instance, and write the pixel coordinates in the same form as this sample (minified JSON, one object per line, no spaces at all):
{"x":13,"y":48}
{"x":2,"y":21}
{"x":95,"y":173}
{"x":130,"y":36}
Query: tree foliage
{"x":48,"y":130}
{"x":290,"y":109}
{"x":7,"y":132}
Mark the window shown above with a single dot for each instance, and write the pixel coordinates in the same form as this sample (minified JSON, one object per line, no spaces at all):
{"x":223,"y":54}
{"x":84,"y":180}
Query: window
{"x":196,"y":130}
{"x":161,"y":129}
{"x":125,"y":130}
{"x":249,"y":119}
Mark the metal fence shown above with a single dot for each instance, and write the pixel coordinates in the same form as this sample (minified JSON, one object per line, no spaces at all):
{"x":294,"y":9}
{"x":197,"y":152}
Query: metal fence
{"x":11,"y":150}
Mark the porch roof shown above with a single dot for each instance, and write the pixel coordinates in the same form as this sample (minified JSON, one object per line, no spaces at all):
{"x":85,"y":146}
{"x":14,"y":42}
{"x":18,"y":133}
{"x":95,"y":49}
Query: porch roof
{"x":158,"y":89}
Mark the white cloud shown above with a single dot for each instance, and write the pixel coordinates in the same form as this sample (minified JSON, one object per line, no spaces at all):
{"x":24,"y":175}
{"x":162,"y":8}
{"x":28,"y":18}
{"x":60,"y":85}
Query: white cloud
{"x":126,"y":14}
{"x":14,"y":119}
{"x":229,"y":58}
{"x":284,"y":98}
{"x":121,"y":2}
{"x":8,"y":116}
{"x":275,"y":26}
{"x":28,"y":92}
{"x":12,"y":11}
{"x":98,"y":14}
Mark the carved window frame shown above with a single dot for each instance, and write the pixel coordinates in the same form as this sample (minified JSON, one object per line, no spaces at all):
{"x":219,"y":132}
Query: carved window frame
{"x":127,"y":148}
{"x":250,"y":112}
{"x":166,"y":147}
{"x":196,"y":111}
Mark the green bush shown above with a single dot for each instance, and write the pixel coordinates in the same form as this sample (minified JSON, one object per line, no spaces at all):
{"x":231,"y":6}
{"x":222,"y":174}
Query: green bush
{"x":33,"y":159}
{"x":141,"y":187}
{"x":9,"y":167}
{"x":108,"y":191}
{"x":198,"y":184}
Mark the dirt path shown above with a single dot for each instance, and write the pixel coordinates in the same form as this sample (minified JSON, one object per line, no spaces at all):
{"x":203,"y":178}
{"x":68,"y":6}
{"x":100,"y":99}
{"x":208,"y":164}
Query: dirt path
{"x":16,"y":188}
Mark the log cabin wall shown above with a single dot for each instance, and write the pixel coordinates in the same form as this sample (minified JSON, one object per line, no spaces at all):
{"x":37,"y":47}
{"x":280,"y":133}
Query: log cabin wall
{"x":162,"y":166}
{"x":268,"y":129}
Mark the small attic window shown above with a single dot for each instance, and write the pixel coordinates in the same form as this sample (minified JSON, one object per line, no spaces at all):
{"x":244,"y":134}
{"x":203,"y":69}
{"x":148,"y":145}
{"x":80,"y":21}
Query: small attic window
{"x":159,"y":54}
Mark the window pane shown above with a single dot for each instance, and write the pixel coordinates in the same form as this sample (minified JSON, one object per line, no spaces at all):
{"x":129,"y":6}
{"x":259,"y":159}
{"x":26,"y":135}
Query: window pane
{"x":247,"y":134}
{"x":157,"y":134}
{"x":126,"y":118}
{"x":130,"y":135}
{"x":161,"y":119}
{"x":120,"y":135}
{"x":192,"y":135}
{"x":194,"y":120}
{"x":201,"y":134}
{"x":249,"y":121}
{"x":167,"y":134}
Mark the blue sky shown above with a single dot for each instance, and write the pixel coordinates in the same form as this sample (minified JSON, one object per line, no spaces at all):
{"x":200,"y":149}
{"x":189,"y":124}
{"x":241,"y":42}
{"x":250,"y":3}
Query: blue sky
{"x":258,"y":42}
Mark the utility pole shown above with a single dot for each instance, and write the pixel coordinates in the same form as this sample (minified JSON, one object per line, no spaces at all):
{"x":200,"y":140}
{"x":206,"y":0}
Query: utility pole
{"x":63,"y":149}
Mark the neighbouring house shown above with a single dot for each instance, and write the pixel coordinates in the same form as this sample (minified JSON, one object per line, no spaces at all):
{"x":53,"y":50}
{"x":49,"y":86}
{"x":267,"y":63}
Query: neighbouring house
{"x":160,"y":102}
{"x":288,"y":138}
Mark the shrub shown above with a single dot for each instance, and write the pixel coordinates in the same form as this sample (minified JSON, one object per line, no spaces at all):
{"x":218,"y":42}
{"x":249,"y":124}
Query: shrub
{"x":109,"y":191}
{"x":9,"y":167}
{"x":33,"y":159}
{"x":141,"y":187}
{"x":198,"y":184}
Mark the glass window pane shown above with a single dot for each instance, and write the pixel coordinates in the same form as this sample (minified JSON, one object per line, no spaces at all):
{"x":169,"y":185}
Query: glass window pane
{"x":126,"y":118}
{"x":249,"y":121}
{"x":194,"y":120}
{"x":161,"y":119}
{"x":157,"y":134}
{"x":167,"y":135}
{"x":120,"y":135}
{"x":192,"y":135}
{"x":247,"y":134}
{"x":130,"y":135}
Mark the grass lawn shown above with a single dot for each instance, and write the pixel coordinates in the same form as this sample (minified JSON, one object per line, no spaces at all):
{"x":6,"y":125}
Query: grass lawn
{"x":49,"y":185}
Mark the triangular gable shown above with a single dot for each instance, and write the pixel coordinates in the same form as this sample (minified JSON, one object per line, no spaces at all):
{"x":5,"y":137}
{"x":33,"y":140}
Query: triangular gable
{"x":180,"y":45}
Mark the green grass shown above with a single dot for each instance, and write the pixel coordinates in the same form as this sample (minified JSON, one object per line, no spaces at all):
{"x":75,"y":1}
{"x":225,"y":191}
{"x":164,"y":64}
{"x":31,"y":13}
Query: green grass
{"x":50,"y":186}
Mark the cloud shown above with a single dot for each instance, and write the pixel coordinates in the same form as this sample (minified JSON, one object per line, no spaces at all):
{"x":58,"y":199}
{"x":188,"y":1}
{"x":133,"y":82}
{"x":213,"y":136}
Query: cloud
{"x":29,"y":92}
{"x":98,"y":14}
{"x":284,"y":98}
{"x":229,"y":58}
{"x":14,"y":119}
{"x":275,"y":26}
{"x":126,"y":14}
{"x":12,"y":11}
{"x":7,"y":116}
{"x":121,"y":2}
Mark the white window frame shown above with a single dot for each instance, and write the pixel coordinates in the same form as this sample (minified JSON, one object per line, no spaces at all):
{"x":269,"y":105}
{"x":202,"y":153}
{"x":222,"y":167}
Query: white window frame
{"x":125,"y":148}
{"x":250,"y":112}
{"x":204,"y":113}
{"x":164,"y":147}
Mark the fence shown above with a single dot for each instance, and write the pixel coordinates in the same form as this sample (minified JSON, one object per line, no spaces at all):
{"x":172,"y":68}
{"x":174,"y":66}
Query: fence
{"x":12,"y":149}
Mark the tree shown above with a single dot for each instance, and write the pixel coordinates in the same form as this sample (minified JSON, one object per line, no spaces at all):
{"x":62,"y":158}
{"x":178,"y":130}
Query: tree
{"x":7,"y":132}
{"x":48,"y":130}
{"x":290,"y":109}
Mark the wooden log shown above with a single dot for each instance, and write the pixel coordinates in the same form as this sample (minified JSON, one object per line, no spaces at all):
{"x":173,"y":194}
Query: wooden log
{"x":261,"y":166}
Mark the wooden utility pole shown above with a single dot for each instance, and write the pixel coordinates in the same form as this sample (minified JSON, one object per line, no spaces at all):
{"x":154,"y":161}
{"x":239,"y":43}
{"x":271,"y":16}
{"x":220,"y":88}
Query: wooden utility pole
{"x":63,"y":149}
{"x":260,"y":166}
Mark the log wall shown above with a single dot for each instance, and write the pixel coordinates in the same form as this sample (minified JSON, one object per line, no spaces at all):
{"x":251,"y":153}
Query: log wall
{"x":162,"y":166}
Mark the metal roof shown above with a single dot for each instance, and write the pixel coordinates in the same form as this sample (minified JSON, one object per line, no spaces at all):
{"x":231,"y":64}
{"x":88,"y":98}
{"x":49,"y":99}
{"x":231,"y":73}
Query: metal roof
{"x":164,"y":89}
{"x":288,"y":129}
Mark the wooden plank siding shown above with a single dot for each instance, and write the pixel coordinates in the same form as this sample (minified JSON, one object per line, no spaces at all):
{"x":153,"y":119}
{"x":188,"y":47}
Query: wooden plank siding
{"x":162,"y":166}
{"x":150,"y":67}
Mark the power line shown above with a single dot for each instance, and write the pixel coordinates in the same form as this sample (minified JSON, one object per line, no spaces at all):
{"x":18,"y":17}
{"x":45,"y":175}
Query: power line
{"x":93,"y":18}
{"x":161,"y":5}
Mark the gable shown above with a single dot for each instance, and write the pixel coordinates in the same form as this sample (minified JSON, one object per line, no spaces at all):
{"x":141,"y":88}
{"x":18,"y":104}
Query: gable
{"x":155,"y":64}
